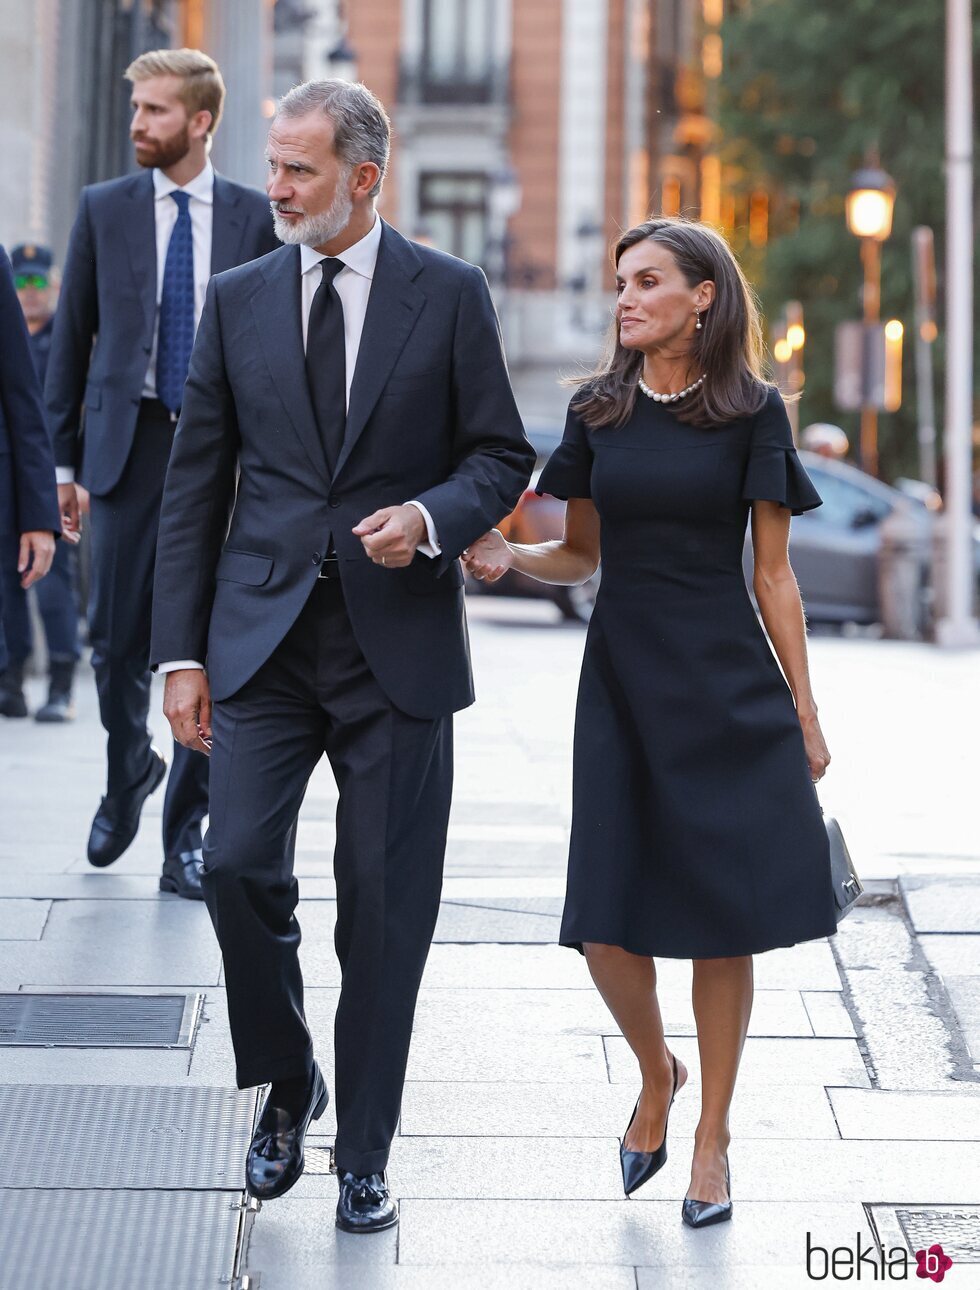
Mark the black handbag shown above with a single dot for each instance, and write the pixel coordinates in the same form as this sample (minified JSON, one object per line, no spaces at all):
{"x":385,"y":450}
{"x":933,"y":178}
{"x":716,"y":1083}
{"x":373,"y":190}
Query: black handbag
{"x":846,"y":883}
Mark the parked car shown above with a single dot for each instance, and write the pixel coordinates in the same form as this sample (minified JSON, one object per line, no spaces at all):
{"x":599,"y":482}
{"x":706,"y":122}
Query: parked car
{"x":834,"y":549}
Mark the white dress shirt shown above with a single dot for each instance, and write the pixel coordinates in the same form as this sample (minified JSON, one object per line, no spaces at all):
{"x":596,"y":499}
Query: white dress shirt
{"x":201,"y":209}
{"x":353,"y":284}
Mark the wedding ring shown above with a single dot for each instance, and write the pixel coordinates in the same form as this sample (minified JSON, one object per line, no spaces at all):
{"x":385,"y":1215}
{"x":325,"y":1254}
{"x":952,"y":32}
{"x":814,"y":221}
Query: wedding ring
{"x":383,"y":559}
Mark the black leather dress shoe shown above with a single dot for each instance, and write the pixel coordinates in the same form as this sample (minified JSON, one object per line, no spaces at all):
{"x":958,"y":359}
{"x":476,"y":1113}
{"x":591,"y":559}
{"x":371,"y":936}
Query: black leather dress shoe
{"x":118,"y":817}
{"x":275,"y":1157}
{"x":702,"y":1213}
{"x":182,"y":875}
{"x":639,"y":1166}
{"x":365,"y":1204}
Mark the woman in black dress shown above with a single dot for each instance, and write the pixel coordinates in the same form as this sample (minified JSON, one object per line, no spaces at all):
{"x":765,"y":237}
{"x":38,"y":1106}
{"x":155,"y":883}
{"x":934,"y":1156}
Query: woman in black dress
{"x":696,"y":830}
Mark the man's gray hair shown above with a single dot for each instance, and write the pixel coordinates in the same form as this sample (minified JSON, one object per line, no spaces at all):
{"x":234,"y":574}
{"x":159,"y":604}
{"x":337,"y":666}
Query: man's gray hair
{"x":362,"y":131}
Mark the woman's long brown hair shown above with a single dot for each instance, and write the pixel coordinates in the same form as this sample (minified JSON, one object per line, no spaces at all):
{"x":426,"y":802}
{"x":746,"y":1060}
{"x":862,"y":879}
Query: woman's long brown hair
{"x":729,"y":347}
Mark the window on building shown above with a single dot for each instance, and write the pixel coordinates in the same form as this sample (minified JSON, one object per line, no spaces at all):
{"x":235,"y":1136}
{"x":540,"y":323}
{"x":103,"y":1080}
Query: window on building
{"x":453,"y":212}
{"x":458,"y":58}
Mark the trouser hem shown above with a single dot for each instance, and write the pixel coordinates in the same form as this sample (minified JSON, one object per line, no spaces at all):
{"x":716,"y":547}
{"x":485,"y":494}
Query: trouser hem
{"x":263,"y":1070}
{"x":361,"y":1163}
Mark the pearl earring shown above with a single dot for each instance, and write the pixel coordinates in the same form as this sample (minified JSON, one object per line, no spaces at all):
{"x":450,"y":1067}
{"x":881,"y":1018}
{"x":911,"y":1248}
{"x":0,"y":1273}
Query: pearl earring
{"x":697,"y":325}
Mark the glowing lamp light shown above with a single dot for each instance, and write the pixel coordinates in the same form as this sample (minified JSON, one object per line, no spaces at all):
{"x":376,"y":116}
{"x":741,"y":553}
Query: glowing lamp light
{"x":795,"y":335}
{"x":894,"y":330}
{"x":782,"y":350}
{"x":870,"y":204}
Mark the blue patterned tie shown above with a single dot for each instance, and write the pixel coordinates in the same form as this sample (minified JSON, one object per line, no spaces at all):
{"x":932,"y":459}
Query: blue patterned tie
{"x":175,"y":338}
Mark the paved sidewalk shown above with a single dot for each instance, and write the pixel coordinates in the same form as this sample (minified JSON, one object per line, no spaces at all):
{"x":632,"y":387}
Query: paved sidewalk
{"x":857,"y":1115}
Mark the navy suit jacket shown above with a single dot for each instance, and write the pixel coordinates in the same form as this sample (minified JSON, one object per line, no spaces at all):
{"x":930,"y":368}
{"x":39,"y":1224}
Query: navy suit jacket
{"x":28,"y":497}
{"x":431,"y":417}
{"x":109,"y":297}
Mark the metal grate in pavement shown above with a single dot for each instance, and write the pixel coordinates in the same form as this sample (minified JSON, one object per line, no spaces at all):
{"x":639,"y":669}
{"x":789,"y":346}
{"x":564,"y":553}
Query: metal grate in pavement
{"x":98,"y":1020}
{"x":116,"y":1240}
{"x":66,"y":1136}
{"x":956,"y":1229}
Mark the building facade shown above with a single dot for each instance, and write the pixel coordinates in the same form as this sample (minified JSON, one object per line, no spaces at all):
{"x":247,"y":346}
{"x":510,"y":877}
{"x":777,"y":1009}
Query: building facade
{"x":528,"y":135}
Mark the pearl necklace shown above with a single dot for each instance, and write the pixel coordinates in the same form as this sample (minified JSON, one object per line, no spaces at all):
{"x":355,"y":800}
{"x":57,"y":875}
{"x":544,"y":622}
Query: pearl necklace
{"x":669,"y":398}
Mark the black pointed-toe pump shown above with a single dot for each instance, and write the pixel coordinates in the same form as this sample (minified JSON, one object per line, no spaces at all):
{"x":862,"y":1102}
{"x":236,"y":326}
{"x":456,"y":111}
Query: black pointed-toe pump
{"x":702,"y":1213}
{"x":640,"y":1166}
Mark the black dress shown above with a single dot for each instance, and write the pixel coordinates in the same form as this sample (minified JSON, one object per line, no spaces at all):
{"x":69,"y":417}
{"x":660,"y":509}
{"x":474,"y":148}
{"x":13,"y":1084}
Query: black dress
{"x":696,"y":830}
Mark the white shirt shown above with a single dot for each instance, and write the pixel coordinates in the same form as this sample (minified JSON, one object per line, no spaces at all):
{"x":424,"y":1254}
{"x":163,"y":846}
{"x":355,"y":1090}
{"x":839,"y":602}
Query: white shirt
{"x":353,"y":284}
{"x":201,"y":210}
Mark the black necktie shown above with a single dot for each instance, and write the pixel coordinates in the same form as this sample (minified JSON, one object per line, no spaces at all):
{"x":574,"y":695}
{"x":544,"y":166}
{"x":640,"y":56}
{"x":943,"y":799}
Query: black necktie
{"x":326,"y":362}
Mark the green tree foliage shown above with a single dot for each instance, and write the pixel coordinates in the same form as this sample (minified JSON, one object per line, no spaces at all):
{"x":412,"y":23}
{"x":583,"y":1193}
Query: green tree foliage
{"x":807,"y":89}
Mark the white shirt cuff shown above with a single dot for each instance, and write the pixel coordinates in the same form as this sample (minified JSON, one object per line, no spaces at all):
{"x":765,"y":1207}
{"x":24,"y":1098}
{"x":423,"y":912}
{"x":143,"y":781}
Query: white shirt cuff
{"x":64,"y":474}
{"x":180,"y":664}
{"x":431,"y":548}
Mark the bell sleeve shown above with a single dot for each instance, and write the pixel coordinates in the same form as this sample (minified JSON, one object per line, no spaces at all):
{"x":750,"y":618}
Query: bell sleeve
{"x":774,"y":472}
{"x":568,"y":471}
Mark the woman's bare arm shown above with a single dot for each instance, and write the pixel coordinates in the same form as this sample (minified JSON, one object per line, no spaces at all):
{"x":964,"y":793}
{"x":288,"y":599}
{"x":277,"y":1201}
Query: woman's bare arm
{"x":567,"y":561}
{"x":781,"y":608}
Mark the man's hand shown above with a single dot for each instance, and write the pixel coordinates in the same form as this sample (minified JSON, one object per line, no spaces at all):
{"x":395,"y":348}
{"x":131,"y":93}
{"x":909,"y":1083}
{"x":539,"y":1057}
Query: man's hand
{"x":35,"y":556}
{"x":70,"y":512}
{"x":391,"y":536}
{"x":187,"y":706}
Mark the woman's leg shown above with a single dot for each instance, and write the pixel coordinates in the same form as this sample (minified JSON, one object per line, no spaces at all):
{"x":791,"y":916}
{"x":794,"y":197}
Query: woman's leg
{"x":722,"y":997}
{"x":628,"y":984}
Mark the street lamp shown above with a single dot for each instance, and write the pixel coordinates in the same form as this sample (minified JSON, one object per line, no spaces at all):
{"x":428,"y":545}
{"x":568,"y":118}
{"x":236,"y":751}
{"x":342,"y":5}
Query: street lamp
{"x":870,"y":203}
{"x":342,"y":61}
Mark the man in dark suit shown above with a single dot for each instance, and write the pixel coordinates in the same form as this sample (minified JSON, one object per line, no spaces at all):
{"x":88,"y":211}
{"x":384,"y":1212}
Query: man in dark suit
{"x":35,"y":280}
{"x":141,"y":252}
{"x":29,"y":519}
{"x":355,"y":385}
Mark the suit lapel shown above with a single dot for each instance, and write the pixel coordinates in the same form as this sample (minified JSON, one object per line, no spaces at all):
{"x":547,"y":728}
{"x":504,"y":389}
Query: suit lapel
{"x":139,"y":227}
{"x":394,"y":305}
{"x":276,"y":310}
{"x":227,"y":226}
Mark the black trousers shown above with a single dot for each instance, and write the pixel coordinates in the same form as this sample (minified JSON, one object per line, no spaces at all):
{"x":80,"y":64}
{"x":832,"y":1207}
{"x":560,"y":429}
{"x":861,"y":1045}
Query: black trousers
{"x":316,"y":694}
{"x":123,"y":528}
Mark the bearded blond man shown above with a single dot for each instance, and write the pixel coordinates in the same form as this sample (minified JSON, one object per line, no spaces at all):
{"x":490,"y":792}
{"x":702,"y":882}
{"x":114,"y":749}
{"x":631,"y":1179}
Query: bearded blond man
{"x":141,"y":253}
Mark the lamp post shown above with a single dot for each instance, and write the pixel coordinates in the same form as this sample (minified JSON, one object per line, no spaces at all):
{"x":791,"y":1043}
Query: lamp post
{"x":870,"y":204}
{"x":503,"y":201}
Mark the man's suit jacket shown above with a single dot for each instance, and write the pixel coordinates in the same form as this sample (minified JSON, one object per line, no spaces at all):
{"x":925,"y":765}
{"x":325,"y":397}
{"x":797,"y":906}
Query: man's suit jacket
{"x":28,"y":497}
{"x":431,"y":418}
{"x":109,"y":296}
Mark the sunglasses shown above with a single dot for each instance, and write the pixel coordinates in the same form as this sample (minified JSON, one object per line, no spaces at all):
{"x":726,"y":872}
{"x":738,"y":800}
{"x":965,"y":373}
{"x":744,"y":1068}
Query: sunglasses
{"x":37,"y":280}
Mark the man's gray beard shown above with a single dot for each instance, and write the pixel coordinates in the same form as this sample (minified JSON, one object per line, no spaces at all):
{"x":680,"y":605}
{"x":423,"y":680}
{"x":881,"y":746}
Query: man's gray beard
{"x":315,"y":230}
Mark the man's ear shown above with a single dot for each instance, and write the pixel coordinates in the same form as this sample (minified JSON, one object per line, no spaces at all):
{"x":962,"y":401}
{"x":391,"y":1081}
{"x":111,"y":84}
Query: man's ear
{"x":364,"y":177}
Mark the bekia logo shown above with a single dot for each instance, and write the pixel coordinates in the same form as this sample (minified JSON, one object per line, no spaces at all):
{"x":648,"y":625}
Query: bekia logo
{"x":842,"y":1263}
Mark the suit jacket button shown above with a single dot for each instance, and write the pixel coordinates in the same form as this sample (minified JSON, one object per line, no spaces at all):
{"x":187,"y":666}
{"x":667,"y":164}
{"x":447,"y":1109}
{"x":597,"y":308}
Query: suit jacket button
{"x":316,"y":557}
{"x":333,"y":501}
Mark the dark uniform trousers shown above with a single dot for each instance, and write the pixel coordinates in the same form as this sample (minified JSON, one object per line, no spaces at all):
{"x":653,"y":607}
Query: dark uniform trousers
{"x":123,"y":530}
{"x":316,"y":694}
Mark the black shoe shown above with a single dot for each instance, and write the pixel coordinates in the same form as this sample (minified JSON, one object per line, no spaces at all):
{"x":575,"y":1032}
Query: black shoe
{"x":118,"y":817}
{"x":12,"y":701}
{"x":365,"y":1204}
{"x":59,"y":706}
{"x":182,"y":875}
{"x":702,"y":1213}
{"x":275,"y":1156}
{"x":640,"y":1166}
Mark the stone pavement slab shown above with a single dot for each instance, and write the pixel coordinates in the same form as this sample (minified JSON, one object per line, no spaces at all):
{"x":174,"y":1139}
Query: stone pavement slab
{"x":589,"y":1111}
{"x":765,"y":1062}
{"x":23,"y":920}
{"x":951,"y":1115}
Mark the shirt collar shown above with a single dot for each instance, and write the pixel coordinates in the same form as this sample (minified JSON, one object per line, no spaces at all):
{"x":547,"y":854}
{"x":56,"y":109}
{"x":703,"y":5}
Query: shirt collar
{"x":361,"y":257}
{"x":201,"y":186}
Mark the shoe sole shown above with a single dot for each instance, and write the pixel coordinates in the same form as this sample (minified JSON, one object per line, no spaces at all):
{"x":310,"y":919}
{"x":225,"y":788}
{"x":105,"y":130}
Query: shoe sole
{"x":318,"y":1110}
{"x":367,"y":1231}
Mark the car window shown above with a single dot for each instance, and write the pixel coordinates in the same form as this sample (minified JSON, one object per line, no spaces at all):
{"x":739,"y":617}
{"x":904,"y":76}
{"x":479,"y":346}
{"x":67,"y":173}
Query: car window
{"x":842,"y":501}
